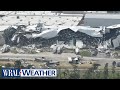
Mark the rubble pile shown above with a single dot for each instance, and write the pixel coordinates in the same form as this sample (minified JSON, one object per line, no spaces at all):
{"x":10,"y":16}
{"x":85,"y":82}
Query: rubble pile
{"x":29,"y":49}
{"x":67,"y":35}
{"x":57,"y":49}
{"x":17,"y":35}
{"x":74,"y":60}
{"x":48,"y":63}
{"x":88,"y":40}
{"x":112,"y":36}
{"x":45,"y":49}
{"x":8,"y":34}
{"x":5,"y":48}
{"x":21,"y":37}
{"x":94,"y":52}
{"x":13,"y":50}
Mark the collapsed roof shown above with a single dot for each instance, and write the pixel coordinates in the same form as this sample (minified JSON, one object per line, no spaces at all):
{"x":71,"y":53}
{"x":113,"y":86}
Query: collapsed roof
{"x":53,"y":31}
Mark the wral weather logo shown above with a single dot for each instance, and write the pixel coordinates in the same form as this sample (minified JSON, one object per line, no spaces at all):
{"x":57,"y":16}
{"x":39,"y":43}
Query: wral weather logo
{"x":11,"y":72}
{"x":29,"y":72}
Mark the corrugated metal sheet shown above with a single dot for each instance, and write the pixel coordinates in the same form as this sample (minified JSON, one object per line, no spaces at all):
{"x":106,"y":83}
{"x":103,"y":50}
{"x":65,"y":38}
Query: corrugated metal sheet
{"x":94,"y":32}
{"x":114,"y":26}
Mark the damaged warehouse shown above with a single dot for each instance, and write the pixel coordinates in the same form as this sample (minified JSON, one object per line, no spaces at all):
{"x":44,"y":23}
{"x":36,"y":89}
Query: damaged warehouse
{"x":48,"y":37}
{"x":44,"y":40}
{"x":71,"y":36}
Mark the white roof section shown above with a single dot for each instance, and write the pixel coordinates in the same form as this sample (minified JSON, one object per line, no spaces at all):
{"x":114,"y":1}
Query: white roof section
{"x":114,"y":26}
{"x":2,"y":28}
{"x":47,"y":20}
{"x":53,"y":31}
{"x":31,"y":27}
{"x":91,"y":32}
{"x":46,"y":34}
{"x":26,"y":13}
{"x":33,"y":17}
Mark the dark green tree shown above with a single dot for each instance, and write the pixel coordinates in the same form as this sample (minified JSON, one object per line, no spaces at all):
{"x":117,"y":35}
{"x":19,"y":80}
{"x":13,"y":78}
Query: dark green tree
{"x":113,"y":67}
{"x":92,"y":73}
{"x":18,"y":64}
{"x":105,"y":72}
{"x":88,"y":74}
{"x":75,"y":74}
{"x":8,"y":65}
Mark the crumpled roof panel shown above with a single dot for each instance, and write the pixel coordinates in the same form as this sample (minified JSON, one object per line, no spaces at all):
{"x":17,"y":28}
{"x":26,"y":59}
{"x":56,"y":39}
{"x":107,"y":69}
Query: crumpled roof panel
{"x":114,"y":26}
{"x":33,"y":27}
{"x":94,"y":32}
{"x":2,"y":28}
{"x":46,"y":34}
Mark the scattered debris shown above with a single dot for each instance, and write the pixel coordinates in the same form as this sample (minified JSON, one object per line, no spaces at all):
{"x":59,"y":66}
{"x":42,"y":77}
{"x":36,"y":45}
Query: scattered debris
{"x":59,"y":50}
{"x":13,"y":50}
{"x":42,"y":59}
{"x":74,"y":60}
{"x":101,"y":48}
{"x":94,"y":52}
{"x":52,"y":63}
{"x":115,"y":55}
{"x":5,"y":48}
{"x":108,"y":53}
{"x":77,"y":51}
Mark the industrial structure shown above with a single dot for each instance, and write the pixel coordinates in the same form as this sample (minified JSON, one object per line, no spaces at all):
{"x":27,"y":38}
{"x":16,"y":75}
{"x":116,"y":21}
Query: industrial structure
{"x":71,"y":28}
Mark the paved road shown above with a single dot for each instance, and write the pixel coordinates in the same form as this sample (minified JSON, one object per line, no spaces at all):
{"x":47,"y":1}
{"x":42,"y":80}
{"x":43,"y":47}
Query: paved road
{"x":59,"y":57}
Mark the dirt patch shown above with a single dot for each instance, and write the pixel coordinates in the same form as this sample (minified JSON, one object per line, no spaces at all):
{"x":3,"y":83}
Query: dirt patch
{"x":5,"y":62}
{"x":66,"y":65}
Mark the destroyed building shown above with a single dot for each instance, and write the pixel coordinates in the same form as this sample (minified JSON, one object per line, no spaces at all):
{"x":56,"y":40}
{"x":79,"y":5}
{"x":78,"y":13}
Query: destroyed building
{"x":68,"y":35}
{"x":57,"y":29}
{"x":112,"y":36}
{"x":71,"y":36}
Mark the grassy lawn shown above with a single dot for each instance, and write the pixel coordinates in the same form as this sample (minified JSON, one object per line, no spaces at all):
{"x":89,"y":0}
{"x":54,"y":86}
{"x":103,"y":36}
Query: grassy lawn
{"x":85,"y":53}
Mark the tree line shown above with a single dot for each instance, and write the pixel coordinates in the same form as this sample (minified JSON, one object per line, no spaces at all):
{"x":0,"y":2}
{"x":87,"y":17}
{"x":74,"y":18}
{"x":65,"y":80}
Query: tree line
{"x":75,"y":73}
